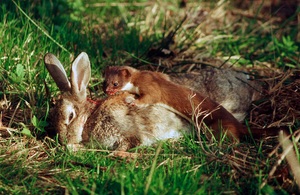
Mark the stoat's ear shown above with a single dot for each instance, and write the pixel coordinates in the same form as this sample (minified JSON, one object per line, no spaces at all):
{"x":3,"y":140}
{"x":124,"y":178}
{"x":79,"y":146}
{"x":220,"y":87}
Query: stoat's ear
{"x":125,"y":72}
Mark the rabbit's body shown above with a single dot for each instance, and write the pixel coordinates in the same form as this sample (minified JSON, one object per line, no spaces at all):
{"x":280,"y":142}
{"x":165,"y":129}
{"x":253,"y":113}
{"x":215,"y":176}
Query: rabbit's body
{"x":116,"y":125}
{"x":111,"y":122}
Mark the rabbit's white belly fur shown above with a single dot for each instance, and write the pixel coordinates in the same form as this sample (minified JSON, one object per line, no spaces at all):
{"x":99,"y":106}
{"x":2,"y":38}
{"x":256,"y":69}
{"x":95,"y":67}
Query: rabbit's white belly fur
{"x":161,"y":135}
{"x":167,"y":125}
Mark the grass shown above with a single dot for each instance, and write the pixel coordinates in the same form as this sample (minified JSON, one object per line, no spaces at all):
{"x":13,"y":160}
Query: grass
{"x":32,"y":163}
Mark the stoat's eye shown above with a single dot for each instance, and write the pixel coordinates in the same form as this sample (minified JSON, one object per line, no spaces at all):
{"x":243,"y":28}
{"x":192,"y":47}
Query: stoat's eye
{"x":115,"y":84}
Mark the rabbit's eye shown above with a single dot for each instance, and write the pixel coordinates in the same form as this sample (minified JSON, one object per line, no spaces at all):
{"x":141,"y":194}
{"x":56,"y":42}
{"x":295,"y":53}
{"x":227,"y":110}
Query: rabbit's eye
{"x":71,"y":116}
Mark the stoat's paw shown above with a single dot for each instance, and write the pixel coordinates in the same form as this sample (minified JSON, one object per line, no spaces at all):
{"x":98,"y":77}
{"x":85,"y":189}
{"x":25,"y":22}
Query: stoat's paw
{"x":130,"y":100}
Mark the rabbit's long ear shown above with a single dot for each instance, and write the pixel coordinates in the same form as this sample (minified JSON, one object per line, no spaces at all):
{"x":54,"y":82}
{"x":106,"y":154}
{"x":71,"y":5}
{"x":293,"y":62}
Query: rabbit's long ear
{"x":80,"y":76}
{"x":57,"y":71}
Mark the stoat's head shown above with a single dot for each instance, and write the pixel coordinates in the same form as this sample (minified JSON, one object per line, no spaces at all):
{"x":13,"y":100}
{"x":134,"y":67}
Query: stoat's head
{"x":116,"y":77}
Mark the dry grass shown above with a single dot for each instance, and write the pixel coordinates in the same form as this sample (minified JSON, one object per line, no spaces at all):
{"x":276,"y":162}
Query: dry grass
{"x":279,"y":106}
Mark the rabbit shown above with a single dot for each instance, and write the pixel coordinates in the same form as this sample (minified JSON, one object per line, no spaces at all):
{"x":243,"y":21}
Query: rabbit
{"x":230,"y":88}
{"x":111,"y":122}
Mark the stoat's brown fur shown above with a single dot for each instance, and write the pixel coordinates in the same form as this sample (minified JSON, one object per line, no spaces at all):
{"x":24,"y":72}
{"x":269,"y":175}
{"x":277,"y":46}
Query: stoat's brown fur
{"x":154,"y":87}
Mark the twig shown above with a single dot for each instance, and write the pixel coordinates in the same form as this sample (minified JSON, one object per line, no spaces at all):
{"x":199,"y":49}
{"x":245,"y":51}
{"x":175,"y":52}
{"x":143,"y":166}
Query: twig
{"x":14,"y":113}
